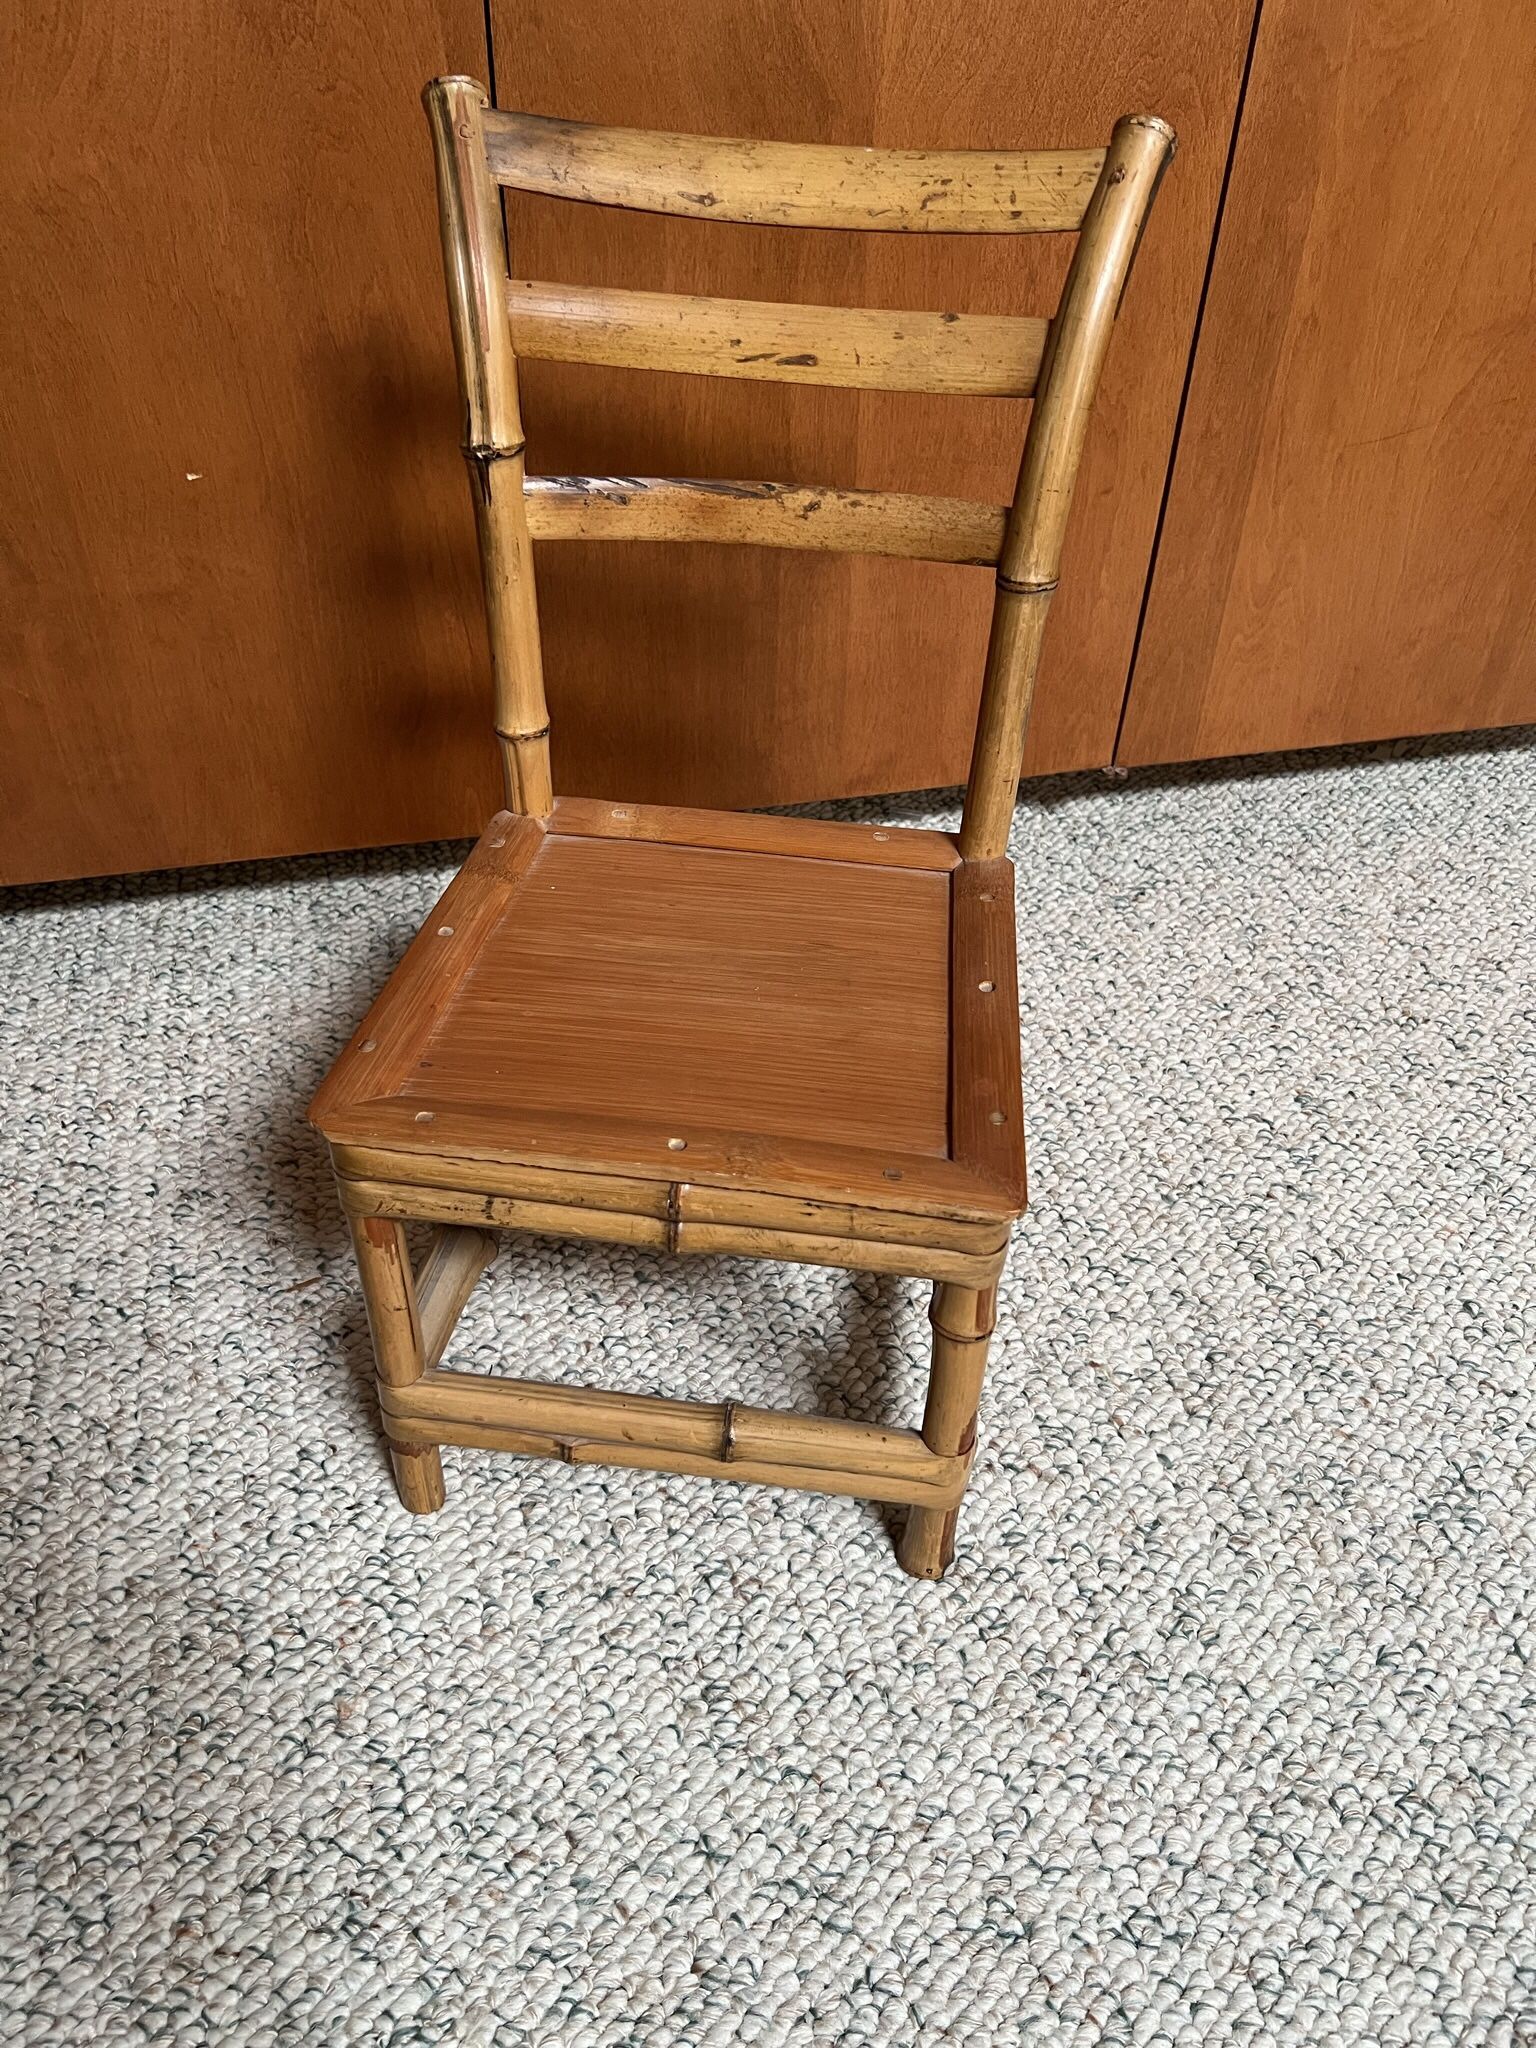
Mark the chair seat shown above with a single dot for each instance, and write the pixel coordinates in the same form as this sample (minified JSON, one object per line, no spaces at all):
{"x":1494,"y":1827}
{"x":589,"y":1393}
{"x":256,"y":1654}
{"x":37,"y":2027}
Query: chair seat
{"x":711,"y":1018}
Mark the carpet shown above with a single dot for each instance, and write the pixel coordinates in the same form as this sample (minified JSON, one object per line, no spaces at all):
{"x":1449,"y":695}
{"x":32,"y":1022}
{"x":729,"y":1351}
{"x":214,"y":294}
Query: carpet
{"x":1221,"y":1728}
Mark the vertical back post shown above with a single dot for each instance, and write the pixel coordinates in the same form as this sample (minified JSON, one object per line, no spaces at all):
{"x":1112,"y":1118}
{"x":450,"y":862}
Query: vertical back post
{"x":1026,"y":579}
{"x":475,"y":264}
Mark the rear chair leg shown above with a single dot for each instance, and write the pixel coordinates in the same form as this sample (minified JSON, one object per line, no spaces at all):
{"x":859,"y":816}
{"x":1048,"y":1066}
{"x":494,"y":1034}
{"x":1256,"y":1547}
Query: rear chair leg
{"x":962,"y":1319}
{"x":384,"y":1262}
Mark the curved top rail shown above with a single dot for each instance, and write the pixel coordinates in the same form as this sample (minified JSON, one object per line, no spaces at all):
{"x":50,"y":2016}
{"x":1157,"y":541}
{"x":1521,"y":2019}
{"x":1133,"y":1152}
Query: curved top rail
{"x":795,"y":184}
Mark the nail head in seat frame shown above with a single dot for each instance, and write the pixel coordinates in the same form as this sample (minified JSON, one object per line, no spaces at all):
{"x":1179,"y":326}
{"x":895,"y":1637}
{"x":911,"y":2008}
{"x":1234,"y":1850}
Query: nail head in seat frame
{"x":702,"y":1031}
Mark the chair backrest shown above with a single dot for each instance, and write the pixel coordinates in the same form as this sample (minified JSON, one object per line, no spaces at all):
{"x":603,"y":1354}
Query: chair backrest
{"x":1102,"y":195}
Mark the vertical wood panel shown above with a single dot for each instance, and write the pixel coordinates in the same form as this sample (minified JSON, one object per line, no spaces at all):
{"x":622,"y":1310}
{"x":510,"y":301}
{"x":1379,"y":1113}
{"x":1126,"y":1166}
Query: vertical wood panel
{"x":1350,"y":547}
{"x":715,"y":676}
{"x":219,"y":249}
{"x":237,"y":570}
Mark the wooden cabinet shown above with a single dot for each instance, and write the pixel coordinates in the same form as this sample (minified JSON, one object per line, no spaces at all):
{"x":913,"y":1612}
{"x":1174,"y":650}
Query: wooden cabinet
{"x":238,"y":593}
{"x":240,"y":608}
{"x":241,"y":604}
{"x":1350,"y":546}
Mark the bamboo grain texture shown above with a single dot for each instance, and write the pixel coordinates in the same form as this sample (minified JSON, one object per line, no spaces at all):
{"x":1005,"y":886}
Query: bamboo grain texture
{"x":815,"y":516}
{"x":724,"y":1430}
{"x":679,"y":1201}
{"x":475,"y":265}
{"x":405,"y":1431}
{"x":743,"y":1206}
{"x":1138,"y":155}
{"x":391,"y":1035}
{"x":986,"y":1094}
{"x":467,"y":1209}
{"x":962,"y":1319}
{"x":454,"y":1262}
{"x":789,"y":184}
{"x":1139,"y":152}
{"x":418,"y":1471}
{"x":384,"y":1261}
{"x":501,"y":1135}
{"x":976,"y":355}
{"x":586,"y":1425}
{"x":612,"y":951}
{"x":567,"y":1190}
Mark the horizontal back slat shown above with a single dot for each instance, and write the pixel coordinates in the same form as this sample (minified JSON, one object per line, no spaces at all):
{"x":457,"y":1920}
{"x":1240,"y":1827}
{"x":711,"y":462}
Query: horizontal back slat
{"x":793,"y":184}
{"x":765,"y":515}
{"x":979,"y":354}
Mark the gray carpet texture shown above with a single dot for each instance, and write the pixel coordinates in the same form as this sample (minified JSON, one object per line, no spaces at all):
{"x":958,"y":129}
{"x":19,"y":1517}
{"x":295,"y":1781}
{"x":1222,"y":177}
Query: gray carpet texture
{"x":1223,"y":1727}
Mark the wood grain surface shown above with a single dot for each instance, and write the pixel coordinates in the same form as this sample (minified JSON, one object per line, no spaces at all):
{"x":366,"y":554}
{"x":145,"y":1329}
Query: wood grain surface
{"x":688,"y":986}
{"x":987,"y":1105}
{"x":1350,"y":548}
{"x":885,"y":846}
{"x":239,"y":609}
{"x":746,"y":677}
{"x":628,"y":996}
{"x":240,"y":602}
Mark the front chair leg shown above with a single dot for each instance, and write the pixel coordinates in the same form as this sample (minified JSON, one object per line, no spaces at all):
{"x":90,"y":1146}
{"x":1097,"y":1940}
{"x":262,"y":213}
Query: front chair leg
{"x":383,"y":1261}
{"x":962,"y":1319}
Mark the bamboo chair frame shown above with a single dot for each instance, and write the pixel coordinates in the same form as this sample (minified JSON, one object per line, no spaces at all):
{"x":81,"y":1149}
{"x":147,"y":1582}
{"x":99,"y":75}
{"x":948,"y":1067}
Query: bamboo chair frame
{"x":469,"y":1177}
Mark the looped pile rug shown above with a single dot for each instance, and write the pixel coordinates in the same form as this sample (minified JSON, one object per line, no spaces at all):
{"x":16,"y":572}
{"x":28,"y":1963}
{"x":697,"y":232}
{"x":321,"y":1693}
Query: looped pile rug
{"x":1221,"y":1729}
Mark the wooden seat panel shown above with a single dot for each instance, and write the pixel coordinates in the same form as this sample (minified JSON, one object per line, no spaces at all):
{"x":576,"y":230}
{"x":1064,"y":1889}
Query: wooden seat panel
{"x":697,"y":987}
{"x":763,"y":1003}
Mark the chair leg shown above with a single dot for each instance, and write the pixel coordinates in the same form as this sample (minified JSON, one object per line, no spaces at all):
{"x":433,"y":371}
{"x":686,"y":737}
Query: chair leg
{"x":962,"y":1319}
{"x":418,"y":1473}
{"x":384,"y":1262}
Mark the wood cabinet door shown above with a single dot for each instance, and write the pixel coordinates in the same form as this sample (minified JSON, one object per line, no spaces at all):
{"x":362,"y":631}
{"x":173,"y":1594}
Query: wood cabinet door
{"x":742,"y":676}
{"x":239,"y":607}
{"x":1349,"y":550}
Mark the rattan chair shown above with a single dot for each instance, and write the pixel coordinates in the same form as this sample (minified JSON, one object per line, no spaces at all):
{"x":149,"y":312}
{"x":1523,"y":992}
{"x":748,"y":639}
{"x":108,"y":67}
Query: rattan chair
{"x":702,"y":1031}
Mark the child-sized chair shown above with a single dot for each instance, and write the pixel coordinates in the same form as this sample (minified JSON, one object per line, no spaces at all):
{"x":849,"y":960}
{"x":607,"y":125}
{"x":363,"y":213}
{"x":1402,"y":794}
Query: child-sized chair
{"x":708,"y":1031}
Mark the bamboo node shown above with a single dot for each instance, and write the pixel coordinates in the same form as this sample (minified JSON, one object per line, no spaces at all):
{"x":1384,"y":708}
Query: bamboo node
{"x":480,"y":457}
{"x":486,"y":452}
{"x":961,"y":1336}
{"x":515,"y":739}
{"x":728,"y":1433}
{"x":1024,"y":588}
{"x":674,"y":1214}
